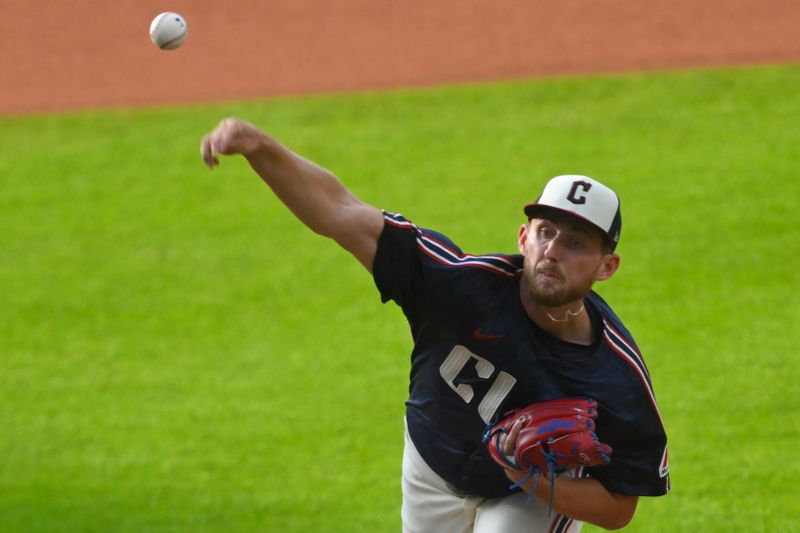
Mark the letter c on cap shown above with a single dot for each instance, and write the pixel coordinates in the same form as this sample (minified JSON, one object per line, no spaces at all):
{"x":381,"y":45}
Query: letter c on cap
{"x":573,"y":192}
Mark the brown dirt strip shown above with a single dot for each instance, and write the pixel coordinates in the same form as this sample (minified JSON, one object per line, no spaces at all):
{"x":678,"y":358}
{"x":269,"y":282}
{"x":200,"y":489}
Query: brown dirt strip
{"x":57,"y":56}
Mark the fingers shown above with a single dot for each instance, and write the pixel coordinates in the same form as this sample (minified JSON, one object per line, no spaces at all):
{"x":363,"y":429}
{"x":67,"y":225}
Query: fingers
{"x":208,"y":153}
{"x":218,"y":142}
{"x":510,"y":440}
{"x":515,"y":475}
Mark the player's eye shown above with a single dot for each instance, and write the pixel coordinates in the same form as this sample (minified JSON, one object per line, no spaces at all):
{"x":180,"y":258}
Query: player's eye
{"x":575,"y":243}
{"x":545,"y":232}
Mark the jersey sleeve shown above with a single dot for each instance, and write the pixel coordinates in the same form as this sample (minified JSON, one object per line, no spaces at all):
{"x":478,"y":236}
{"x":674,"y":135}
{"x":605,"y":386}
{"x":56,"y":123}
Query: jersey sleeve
{"x":629,"y":419}
{"x":639,"y":466}
{"x":416,"y":267}
{"x":397,"y":268}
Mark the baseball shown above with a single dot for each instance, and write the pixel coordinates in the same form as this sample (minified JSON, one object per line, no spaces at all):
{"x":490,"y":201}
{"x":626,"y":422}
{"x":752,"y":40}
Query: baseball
{"x":168,"y":31}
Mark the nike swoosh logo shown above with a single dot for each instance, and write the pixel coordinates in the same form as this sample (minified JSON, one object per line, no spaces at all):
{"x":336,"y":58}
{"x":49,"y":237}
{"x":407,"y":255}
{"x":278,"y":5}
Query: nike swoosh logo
{"x":478,"y":335}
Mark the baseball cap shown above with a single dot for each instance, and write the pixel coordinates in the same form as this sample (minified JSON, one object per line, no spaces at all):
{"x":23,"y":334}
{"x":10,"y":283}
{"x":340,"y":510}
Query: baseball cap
{"x":584,"y":198}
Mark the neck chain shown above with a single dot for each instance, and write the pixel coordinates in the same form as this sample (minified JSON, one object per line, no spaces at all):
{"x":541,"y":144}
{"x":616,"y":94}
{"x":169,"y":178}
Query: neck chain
{"x":569,"y":314}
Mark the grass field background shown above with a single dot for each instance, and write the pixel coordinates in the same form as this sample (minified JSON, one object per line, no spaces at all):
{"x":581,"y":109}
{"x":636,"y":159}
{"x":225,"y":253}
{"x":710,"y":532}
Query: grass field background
{"x":177,"y":353}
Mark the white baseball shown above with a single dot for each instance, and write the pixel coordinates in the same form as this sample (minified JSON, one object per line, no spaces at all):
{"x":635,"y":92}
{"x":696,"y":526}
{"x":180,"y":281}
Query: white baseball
{"x":168,"y":30}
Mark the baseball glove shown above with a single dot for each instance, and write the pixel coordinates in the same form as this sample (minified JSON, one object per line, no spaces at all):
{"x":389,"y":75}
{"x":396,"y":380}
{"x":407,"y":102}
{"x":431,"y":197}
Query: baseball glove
{"x":556,"y":436}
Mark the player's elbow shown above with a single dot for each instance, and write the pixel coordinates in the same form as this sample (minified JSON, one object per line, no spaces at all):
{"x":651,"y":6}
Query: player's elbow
{"x":615,"y":523}
{"x":621,"y":514}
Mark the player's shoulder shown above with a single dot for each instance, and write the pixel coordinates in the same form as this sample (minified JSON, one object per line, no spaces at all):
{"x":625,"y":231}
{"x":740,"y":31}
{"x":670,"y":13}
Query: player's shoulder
{"x":609,"y":317}
{"x":601,"y":305}
{"x":438,"y":251}
{"x":615,"y":334}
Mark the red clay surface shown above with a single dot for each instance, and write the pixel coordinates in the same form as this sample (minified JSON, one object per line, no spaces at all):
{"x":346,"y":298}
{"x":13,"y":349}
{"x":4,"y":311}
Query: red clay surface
{"x":96,"y":54}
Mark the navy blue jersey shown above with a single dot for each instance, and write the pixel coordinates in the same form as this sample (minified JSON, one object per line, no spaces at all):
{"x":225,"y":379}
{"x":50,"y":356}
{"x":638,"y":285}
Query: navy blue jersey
{"x":477,"y":355}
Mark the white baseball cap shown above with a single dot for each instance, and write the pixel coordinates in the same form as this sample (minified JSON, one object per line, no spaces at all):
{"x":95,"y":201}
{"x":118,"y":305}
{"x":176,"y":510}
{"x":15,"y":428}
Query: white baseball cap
{"x":585,"y":198}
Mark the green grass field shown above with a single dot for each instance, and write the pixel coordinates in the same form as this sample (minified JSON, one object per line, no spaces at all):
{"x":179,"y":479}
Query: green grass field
{"x":177,"y":353}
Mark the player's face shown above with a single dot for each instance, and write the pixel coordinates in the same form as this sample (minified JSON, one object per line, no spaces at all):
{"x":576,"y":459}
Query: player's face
{"x":563,"y":259}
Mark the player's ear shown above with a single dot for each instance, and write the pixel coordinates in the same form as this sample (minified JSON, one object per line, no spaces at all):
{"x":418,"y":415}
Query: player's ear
{"x":522,"y":238}
{"x":608,"y":267}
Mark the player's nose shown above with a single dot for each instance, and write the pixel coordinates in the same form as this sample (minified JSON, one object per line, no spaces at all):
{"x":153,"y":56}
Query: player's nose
{"x":552,"y":249}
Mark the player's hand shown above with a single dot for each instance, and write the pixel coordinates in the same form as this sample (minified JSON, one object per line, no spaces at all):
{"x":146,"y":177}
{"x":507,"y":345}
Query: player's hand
{"x":507,"y":445}
{"x":231,"y":136}
{"x":508,"y":442}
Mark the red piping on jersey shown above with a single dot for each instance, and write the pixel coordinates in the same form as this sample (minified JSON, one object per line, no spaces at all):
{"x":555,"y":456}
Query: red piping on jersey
{"x":397,"y":223}
{"x":445,"y":255}
{"x":633,"y":358}
{"x":500,"y":258}
{"x":473,"y":261}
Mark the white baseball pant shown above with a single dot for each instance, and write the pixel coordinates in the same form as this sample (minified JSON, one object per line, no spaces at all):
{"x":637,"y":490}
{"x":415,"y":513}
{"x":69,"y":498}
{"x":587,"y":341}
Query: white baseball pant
{"x":430,"y":506}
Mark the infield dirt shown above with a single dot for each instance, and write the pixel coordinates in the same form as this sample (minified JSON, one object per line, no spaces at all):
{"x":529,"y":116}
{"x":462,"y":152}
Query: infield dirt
{"x":57,"y":56}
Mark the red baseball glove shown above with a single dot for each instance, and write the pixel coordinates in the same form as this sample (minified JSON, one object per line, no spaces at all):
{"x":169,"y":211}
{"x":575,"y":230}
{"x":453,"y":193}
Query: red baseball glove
{"x":556,"y":435}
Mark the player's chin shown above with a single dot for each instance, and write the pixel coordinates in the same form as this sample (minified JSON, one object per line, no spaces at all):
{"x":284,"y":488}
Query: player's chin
{"x":549,"y":294}
{"x":549,"y":287}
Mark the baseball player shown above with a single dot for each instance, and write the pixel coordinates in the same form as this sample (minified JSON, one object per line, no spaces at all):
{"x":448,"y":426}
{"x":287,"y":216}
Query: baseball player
{"x":492,"y":333}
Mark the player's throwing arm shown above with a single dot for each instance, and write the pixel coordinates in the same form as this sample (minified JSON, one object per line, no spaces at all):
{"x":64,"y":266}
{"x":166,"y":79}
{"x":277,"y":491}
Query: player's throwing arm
{"x":315,"y":196}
